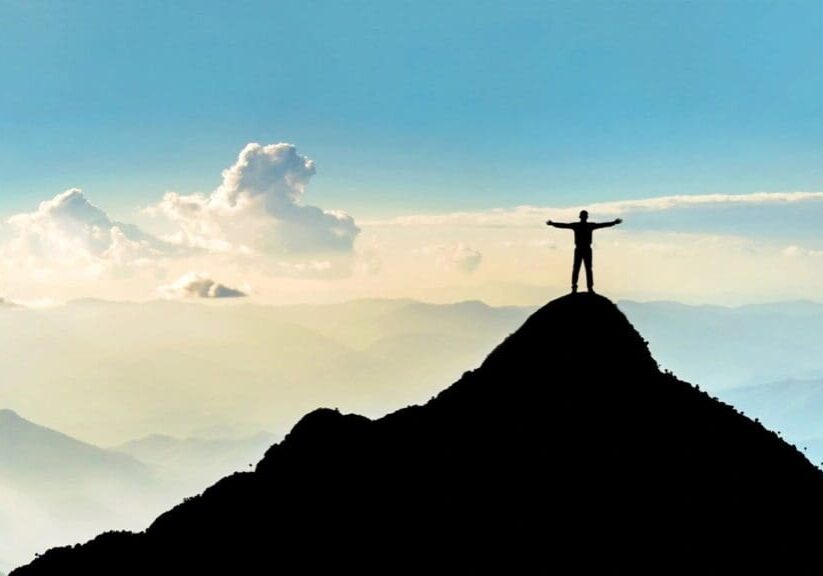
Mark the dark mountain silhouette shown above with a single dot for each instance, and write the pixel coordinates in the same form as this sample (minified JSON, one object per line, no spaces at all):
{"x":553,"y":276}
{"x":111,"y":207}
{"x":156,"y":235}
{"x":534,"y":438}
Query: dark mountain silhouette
{"x":567,"y":449}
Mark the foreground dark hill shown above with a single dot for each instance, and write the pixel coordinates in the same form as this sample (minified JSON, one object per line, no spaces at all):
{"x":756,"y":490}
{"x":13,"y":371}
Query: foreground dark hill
{"x":566,"y":445}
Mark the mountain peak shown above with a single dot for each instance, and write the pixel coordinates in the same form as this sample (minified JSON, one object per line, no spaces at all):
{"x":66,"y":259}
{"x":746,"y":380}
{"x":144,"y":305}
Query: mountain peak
{"x":566,"y":440}
{"x":583,"y":326}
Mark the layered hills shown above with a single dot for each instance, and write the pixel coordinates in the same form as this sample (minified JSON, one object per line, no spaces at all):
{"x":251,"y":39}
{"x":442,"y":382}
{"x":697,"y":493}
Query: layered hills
{"x":568,"y":447}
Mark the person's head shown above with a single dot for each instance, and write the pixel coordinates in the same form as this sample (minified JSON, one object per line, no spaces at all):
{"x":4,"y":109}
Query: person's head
{"x":584,"y":215}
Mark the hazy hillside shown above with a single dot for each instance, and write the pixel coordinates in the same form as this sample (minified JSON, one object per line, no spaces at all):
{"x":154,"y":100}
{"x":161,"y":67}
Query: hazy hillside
{"x":727,"y":347}
{"x":170,"y":362}
{"x":183,"y":369}
{"x":55,"y":489}
{"x":505,"y":468}
{"x":192,"y":464}
{"x":122,"y":371}
{"x":794,"y":407}
{"x":28,"y":450}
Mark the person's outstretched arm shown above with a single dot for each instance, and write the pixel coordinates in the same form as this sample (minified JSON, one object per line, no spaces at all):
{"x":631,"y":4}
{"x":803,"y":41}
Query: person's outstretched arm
{"x":614,"y":222}
{"x":558,"y":224}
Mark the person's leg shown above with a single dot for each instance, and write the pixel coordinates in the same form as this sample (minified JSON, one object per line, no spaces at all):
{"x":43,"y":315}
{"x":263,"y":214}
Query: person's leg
{"x":587,"y":260}
{"x":578,"y":256}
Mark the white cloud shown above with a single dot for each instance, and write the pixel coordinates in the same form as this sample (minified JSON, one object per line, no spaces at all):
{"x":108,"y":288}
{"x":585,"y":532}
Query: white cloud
{"x":795,"y":251}
{"x":196,"y":285}
{"x":679,"y":201}
{"x":455,"y":257}
{"x":313,"y":268}
{"x":534,"y":216}
{"x":259,"y":208}
{"x":68,"y":231}
{"x":370,"y":253}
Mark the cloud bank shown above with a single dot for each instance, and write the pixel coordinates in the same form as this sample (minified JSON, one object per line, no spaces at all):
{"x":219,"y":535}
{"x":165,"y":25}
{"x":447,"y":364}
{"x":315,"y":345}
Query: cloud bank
{"x":255,"y":224}
{"x":779,"y":214}
{"x":259,"y":208}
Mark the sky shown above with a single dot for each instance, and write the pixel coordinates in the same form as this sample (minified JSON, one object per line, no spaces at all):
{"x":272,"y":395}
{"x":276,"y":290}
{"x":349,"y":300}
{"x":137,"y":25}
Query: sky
{"x":314,"y":151}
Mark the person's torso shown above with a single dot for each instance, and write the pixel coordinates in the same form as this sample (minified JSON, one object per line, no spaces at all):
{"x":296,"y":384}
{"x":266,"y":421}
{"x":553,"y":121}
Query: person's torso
{"x":582,"y":234}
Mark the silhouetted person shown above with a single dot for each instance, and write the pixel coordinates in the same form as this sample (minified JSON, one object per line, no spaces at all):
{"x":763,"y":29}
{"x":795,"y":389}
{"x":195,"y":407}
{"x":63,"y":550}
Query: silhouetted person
{"x":583,"y":245}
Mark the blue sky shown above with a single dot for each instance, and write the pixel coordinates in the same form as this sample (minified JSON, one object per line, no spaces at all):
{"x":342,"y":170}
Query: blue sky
{"x":408,"y":123}
{"x":409,"y":106}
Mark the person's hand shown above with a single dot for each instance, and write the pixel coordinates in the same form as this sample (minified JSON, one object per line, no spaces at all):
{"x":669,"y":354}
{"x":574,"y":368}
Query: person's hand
{"x":549,"y":222}
{"x":618,"y":220}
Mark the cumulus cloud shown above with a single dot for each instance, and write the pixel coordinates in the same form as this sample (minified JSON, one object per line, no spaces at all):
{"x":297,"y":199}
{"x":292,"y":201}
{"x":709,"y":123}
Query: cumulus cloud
{"x":259,"y":208}
{"x":196,"y":285}
{"x":69,"y":230}
{"x":455,"y":257}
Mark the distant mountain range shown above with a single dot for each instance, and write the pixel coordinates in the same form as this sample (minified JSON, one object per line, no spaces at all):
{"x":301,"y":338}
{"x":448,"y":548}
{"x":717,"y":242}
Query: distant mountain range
{"x":566,"y":447}
{"x":170,"y":362}
{"x":794,"y":407}
{"x":192,"y":464}
{"x":121,"y":371}
{"x":730,"y":347}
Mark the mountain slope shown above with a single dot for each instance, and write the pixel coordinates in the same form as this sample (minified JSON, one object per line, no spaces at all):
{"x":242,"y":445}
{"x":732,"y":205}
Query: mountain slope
{"x":566,"y":445}
{"x":31,"y":453}
{"x":55,"y":489}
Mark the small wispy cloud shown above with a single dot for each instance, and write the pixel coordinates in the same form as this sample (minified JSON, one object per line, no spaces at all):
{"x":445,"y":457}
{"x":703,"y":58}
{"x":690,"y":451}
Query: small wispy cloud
{"x":454,"y":257}
{"x":534,"y":216}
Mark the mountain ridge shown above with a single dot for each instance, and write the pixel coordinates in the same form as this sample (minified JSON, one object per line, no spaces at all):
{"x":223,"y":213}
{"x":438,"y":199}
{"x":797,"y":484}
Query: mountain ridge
{"x":511,"y":458}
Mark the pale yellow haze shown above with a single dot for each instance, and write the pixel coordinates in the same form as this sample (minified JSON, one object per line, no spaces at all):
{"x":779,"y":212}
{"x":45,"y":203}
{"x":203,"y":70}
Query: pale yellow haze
{"x":501,"y":257}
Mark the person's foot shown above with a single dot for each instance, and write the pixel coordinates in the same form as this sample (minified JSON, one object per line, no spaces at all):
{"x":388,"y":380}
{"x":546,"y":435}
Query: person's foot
{"x":591,"y":290}
{"x":574,"y":289}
